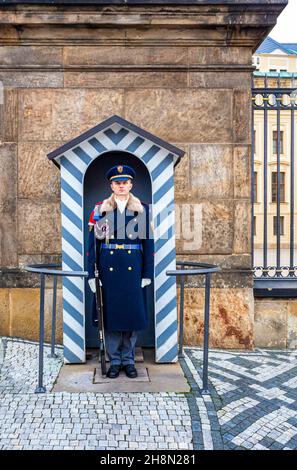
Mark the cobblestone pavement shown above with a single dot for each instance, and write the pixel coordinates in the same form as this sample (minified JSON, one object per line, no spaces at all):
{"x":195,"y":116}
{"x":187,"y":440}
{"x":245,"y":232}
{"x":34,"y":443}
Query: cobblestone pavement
{"x":252,"y":405}
{"x":95,"y":421}
{"x":82,"y":420}
{"x":18,"y":372}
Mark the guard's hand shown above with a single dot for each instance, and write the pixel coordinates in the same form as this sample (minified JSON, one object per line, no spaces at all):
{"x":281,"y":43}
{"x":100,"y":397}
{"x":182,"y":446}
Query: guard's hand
{"x":92,"y":284}
{"x":145,"y":282}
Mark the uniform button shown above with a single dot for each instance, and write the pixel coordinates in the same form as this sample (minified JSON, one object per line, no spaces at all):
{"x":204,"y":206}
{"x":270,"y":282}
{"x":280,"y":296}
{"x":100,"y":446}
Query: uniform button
{"x":111,"y":236}
{"x":130,"y":235}
{"x":135,"y":220}
{"x":129,"y":251}
{"x":129,"y":268}
{"x":111,"y":252}
{"x":106,"y":220}
{"x":111,"y":269}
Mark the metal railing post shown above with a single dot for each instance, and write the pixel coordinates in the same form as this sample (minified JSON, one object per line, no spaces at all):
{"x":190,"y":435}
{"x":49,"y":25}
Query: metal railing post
{"x":54,"y":311}
{"x":43,"y":270}
{"x":206,"y":334}
{"x":181,"y":317}
{"x":198,"y":269}
{"x":40,"y":388}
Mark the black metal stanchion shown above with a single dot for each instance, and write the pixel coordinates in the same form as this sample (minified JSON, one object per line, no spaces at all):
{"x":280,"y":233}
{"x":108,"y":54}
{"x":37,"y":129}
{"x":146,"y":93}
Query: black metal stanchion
{"x":54,"y":314}
{"x":40,"y":388}
{"x":198,"y":269}
{"x":181,"y":317}
{"x":43,"y":270}
{"x":206,"y":334}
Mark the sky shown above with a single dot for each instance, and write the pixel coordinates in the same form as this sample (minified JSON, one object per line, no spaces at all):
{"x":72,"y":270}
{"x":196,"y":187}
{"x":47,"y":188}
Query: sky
{"x":286,"y":28}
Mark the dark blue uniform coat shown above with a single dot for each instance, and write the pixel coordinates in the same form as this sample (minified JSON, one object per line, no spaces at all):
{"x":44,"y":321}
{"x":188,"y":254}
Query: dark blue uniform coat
{"x":121,"y":270}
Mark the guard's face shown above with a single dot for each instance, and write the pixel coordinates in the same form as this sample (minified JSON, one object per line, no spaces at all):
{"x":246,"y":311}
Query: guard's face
{"x":121,"y":187}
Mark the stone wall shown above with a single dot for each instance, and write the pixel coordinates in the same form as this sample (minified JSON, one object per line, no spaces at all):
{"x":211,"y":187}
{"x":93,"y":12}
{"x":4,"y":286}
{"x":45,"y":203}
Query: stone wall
{"x":272,"y":323}
{"x":276,"y":323}
{"x":183,"y":73}
{"x":19,"y":313}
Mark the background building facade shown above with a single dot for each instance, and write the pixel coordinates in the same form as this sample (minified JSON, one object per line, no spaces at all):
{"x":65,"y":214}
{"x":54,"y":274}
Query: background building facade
{"x":274,"y":145}
{"x":276,"y":67}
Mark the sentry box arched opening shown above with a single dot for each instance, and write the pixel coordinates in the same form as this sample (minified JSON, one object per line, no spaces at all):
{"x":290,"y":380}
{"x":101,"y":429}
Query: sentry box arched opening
{"x":82,"y":162}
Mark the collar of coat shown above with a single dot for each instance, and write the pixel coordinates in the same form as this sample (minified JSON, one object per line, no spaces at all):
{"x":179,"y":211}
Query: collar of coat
{"x":133,"y":204}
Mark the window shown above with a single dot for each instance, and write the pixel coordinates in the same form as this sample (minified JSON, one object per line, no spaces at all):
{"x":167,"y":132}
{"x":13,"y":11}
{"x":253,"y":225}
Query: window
{"x":272,"y":70}
{"x":275,"y":225}
{"x":274,"y":186}
{"x":256,"y":60}
{"x":275,"y":142}
{"x":255,"y":225}
{"x":255,"y":186}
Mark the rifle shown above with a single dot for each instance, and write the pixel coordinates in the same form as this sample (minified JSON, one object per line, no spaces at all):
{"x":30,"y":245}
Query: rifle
{"x":99,"y":309}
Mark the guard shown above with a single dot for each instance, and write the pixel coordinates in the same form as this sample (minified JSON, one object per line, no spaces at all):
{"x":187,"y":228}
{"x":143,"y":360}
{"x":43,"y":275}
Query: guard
{"x":125,"y":250}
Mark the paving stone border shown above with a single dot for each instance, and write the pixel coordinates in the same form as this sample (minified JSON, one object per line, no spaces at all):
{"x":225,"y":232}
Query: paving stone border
{"x":253,"y":395}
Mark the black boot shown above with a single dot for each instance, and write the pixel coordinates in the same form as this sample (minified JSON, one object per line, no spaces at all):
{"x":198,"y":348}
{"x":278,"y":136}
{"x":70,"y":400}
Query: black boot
{"x":130,"y":370}
{"x":114,"y":371}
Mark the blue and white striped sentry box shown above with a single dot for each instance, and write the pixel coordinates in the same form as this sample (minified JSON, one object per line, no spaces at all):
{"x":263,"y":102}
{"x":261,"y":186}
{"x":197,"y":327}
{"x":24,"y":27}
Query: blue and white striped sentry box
{"x":160,"y":157}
